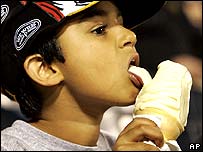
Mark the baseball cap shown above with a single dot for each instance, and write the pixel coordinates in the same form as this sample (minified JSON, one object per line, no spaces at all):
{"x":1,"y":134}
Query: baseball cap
{"x":22,"y":22}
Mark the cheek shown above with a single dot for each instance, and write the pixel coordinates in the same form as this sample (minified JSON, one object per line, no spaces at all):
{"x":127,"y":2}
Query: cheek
{"x":90,"y":74}
{"x":100,"y":82}
{"x":96,"y":72}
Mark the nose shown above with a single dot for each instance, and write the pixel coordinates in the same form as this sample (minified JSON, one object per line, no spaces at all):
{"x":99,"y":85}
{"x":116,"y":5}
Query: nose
{"x":126,"y":38}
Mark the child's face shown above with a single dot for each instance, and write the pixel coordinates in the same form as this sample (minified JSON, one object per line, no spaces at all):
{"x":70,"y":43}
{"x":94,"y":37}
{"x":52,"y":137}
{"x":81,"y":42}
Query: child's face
{"x":98,"y":52}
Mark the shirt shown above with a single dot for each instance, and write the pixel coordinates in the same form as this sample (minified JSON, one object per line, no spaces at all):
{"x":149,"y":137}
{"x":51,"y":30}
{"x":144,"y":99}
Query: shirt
{"x":22,"y":136}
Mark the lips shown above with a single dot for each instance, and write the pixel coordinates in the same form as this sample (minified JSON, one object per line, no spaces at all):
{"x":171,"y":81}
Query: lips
{"x":137,"y":81}
{"x":134,"y":60}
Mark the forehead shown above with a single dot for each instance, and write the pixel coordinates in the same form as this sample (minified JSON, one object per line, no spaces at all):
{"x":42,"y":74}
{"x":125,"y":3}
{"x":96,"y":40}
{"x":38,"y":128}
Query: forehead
{"x":103,"y":8}
{"x":107,"y":6}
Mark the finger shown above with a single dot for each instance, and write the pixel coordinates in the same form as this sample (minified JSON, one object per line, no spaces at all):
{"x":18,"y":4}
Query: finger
{"x":137,"y":121}
{"x":139,"y":146}
{"x":142,"y":133}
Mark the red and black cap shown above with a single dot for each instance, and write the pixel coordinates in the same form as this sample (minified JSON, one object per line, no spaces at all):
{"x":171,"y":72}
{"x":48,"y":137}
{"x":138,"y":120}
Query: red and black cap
{"x":24,"y":21}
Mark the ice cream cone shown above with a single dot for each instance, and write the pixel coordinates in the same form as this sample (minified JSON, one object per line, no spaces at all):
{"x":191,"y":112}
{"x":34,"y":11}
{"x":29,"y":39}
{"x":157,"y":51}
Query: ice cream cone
{"x":166,"y":98}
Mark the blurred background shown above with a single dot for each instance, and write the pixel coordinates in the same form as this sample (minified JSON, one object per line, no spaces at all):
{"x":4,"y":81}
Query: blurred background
{"x":174,"y":33}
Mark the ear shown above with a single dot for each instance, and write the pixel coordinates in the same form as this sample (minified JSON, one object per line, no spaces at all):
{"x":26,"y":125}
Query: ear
{"x":41,"y":72}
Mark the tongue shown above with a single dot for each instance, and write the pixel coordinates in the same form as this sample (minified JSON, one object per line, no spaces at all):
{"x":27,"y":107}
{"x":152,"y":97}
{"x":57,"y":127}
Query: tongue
{"x":142,"y":73}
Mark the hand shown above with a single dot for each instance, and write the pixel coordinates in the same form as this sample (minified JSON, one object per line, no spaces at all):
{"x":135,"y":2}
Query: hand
{"x":136,"y":132}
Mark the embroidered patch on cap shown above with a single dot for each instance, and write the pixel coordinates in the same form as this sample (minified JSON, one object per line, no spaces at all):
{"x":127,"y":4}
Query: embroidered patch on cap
{"x":4,"y":12}
{"x":24,"y":32}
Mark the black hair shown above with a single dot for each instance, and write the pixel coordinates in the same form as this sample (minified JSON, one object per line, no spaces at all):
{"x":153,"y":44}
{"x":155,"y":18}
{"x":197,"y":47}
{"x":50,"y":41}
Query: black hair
{"x":25,"y":91}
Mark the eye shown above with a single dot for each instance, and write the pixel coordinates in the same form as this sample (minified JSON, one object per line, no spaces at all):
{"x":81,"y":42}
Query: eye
{"x":101,"y":30}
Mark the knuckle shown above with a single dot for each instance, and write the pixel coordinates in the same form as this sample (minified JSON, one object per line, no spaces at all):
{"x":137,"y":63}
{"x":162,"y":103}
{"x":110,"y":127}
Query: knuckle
{"x":119,"y":148}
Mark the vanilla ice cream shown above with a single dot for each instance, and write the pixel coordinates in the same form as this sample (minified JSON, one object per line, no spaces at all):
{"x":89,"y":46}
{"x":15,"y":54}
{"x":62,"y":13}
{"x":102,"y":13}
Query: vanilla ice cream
{"x":165,"y":98}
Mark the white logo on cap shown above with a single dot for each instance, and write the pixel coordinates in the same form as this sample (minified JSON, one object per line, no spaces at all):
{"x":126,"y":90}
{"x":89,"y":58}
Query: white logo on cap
{"x":81,"y":3}
{"x":68,"y":7}
{"x":4,"y":12}
{"x":24,"y":32}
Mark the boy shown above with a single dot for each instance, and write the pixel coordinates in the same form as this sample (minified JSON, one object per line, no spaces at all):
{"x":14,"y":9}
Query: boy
{"x":67,"y":71}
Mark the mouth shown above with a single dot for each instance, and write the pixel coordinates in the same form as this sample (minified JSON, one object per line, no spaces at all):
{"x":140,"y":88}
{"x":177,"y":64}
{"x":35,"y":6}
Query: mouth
{"x":133,"y":61}
{"x":135,"y":79}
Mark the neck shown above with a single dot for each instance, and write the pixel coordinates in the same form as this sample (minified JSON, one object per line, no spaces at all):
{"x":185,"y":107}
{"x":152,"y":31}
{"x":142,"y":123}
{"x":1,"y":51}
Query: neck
{"x":72,"y":131}
{"x":71,"y":120}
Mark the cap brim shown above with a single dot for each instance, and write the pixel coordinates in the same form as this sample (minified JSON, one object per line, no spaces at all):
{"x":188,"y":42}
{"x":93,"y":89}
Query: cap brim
{"x":137,"y":12}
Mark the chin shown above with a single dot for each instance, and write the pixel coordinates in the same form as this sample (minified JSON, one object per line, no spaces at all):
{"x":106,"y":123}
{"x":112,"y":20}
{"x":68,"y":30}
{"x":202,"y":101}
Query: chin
{"x":121,"y":97}
{"x":125,"y":101}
